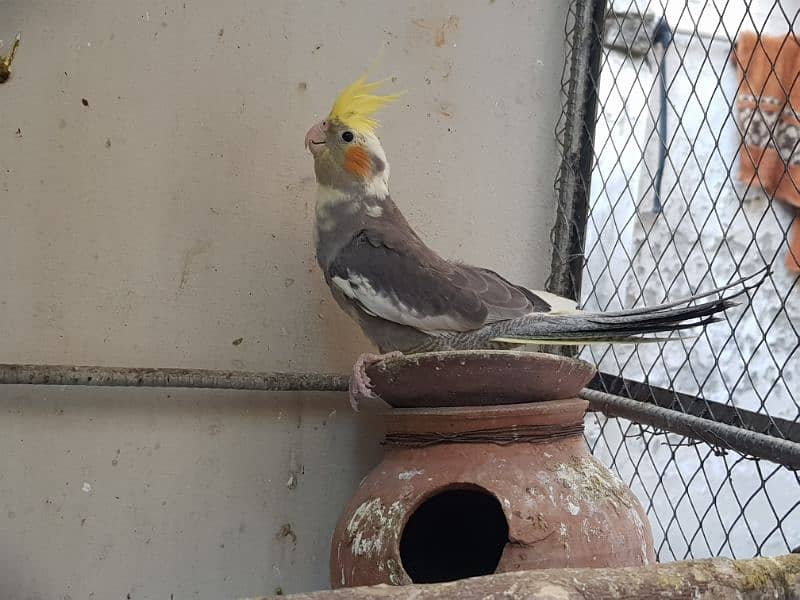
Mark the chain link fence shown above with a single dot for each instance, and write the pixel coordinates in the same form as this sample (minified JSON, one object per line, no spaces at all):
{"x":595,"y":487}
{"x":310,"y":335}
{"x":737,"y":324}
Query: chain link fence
{"x":680,"y":137}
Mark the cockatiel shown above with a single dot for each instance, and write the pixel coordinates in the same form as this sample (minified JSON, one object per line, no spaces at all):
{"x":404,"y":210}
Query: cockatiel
{"x":405,"y":296}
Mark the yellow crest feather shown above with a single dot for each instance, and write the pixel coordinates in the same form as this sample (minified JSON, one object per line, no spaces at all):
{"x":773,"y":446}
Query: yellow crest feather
{"x":356,"y":104}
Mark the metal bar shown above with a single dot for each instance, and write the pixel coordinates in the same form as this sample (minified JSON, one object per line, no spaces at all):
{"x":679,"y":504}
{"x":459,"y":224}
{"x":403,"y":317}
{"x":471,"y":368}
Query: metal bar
{"x":723,"y":436}
{"x":697,"y":406}
{"x":662,"y":40}
{"x":572,"y":211}
{"x":717,"y":434}
{"x":170,"y":378}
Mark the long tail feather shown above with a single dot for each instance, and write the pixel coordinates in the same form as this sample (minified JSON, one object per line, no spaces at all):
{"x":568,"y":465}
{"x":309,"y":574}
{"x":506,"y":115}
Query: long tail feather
{"x":587,"y":342}
{"x":633,"y":326}
{"x":764,"y":273}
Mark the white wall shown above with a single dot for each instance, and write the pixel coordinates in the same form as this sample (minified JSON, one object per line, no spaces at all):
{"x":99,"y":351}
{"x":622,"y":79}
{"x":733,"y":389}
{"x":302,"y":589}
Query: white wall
{"x":172,"y":216}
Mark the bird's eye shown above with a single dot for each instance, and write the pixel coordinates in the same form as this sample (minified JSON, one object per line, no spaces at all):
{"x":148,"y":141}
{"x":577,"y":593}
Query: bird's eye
{"x":347,"y":136}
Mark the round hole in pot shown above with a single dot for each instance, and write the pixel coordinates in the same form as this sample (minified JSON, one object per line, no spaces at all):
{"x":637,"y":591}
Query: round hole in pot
{"x":458,"y":532}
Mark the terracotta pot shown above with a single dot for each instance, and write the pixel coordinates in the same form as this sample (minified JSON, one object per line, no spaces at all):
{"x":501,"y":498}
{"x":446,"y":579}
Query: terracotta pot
{"x":477,"y":378}
{"x":469,"y":491}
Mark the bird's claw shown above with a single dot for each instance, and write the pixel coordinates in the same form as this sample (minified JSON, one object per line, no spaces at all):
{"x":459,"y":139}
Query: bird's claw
{"x":360,"y":387}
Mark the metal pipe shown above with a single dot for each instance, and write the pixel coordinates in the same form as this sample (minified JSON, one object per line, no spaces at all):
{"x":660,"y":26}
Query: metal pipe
{"x":716,"y":434}
{"x":723,"y":436}
{"x":720,"y":412}
{"x":575,"y":173}
{"x":276,"y":381}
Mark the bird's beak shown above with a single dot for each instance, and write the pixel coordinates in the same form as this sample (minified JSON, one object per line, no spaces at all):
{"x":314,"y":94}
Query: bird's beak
{"x":315,"y":138}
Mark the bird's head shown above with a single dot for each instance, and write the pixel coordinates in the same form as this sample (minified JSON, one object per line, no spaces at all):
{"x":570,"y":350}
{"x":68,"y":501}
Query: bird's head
{"x":347,"y":154}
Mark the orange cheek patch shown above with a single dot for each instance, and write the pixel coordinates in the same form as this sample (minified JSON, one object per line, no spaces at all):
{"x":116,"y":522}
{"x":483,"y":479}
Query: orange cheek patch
{"x":357,"y":162}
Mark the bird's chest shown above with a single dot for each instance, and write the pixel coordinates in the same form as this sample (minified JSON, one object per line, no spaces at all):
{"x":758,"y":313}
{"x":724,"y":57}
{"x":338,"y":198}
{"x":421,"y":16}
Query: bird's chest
{"x":338,"y":218}
{"x":329,"y":243}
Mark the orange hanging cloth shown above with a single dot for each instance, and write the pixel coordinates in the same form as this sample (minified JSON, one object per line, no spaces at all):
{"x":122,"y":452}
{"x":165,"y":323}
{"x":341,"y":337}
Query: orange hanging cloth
{"x":768,"y":114}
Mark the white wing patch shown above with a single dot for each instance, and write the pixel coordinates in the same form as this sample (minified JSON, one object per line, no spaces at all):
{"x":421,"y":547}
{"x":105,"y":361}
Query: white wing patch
{"x":558,"y":304}
{"x":357,"y":293}
{"x":387,"y":306}
{"x":374,"y":210}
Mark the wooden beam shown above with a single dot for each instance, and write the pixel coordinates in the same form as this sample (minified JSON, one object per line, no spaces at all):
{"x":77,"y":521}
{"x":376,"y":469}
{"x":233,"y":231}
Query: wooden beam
{"x":713,"y":578}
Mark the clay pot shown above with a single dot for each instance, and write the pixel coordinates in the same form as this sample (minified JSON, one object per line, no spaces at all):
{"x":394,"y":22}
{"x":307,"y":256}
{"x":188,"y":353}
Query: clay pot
{"x":469,"y":491}
{"x":477,"y":378}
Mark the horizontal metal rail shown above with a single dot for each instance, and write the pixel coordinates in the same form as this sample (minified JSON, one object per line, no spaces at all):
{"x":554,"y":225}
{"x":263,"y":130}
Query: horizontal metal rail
{"x":273,"y":381}
{"x":698,"y":406}
{"x":719,"y":435}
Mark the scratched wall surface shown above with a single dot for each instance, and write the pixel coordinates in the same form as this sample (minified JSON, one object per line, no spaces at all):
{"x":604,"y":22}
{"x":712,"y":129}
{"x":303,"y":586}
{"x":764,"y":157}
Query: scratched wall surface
{"x":155,"y":210}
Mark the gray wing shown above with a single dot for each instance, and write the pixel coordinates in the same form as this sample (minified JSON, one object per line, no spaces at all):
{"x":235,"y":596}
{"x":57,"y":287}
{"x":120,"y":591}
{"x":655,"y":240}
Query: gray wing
{"x":392,"y":275}
{"x":503,"y":299}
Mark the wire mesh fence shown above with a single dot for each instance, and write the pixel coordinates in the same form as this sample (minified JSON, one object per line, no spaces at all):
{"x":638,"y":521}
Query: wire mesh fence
{"x":683,"y":116}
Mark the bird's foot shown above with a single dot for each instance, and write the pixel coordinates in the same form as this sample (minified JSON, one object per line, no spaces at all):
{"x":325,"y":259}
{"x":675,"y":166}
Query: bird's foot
{"x":360,"y":387}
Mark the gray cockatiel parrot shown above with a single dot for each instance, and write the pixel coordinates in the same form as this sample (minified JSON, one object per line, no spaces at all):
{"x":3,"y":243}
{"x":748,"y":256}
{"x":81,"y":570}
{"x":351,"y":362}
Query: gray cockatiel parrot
{"x":405,"y":296}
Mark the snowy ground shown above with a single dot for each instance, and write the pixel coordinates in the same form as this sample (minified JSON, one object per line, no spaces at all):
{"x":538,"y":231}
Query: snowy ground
{"x":711,"y":231}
